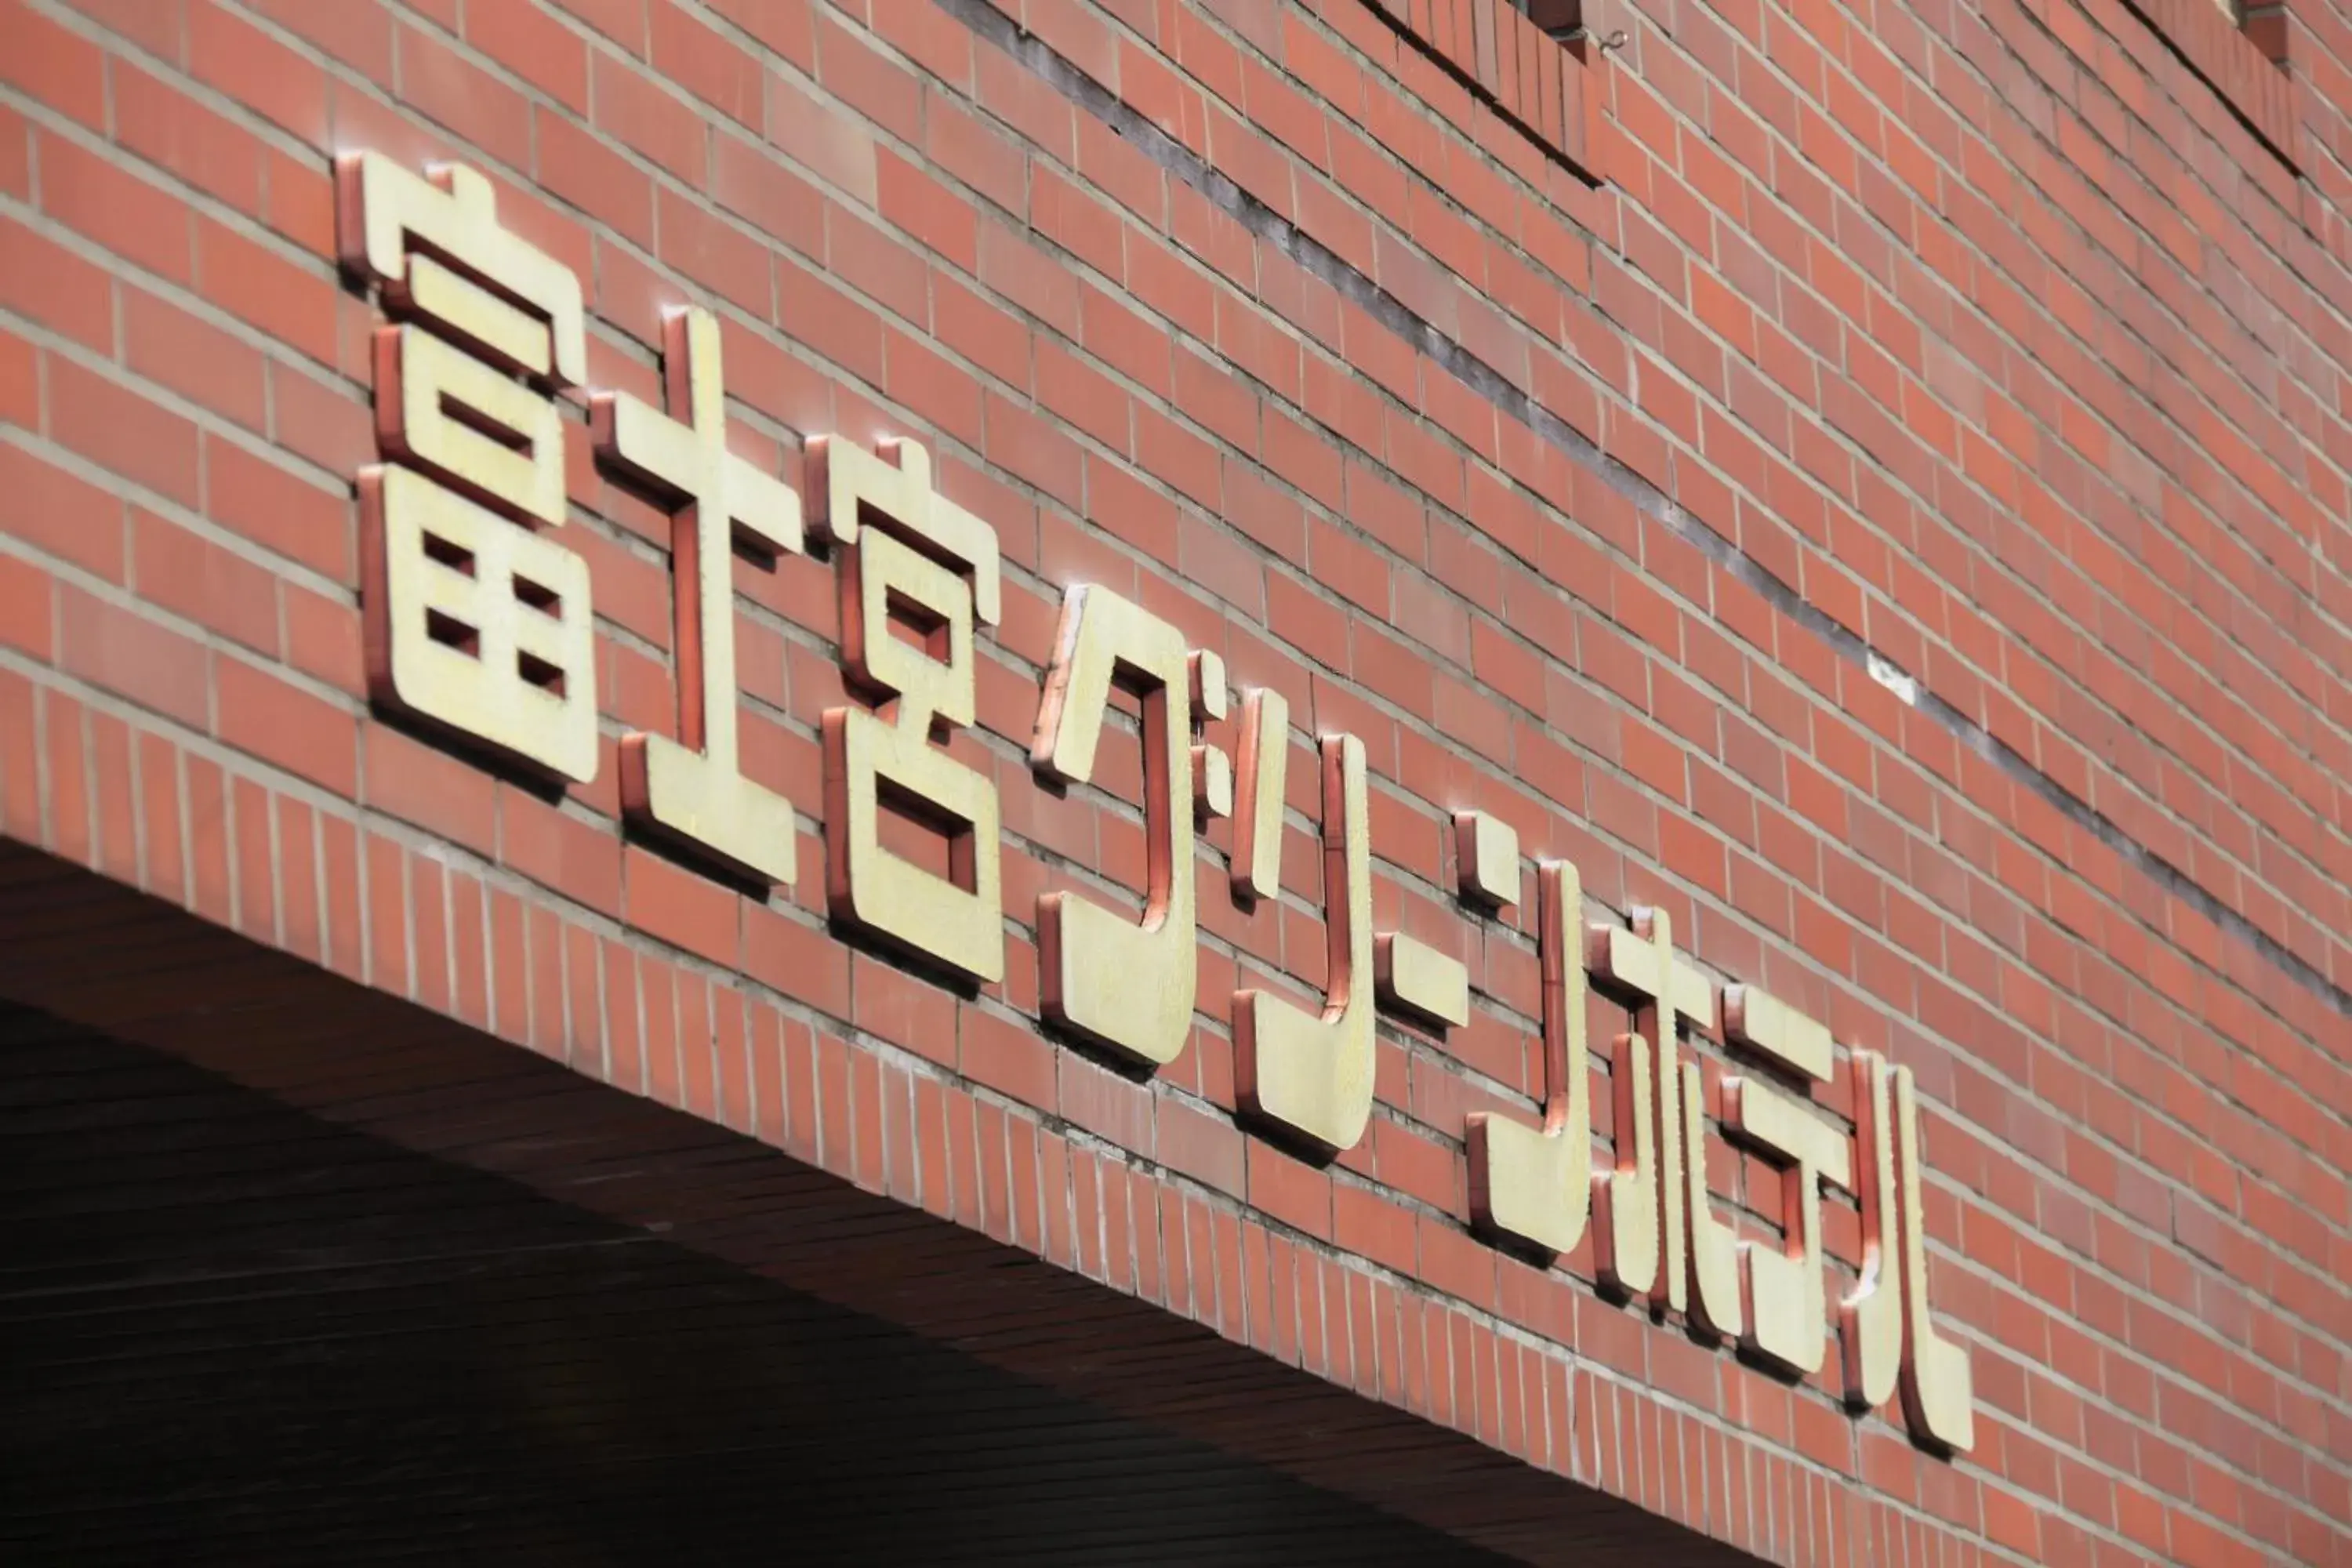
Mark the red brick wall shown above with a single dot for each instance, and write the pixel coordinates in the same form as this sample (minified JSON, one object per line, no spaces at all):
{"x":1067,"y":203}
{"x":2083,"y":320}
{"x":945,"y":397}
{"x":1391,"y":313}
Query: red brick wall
{"x":1989,"y":340}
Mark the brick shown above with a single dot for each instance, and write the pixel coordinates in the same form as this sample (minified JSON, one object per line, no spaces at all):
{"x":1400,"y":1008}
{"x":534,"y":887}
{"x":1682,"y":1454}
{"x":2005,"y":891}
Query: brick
{"x":192,"y":577}
{"x":319,"y":423}
{"x":115,"y":649}
{"x":704,"y":63}
{"x":676,"y":906}
{"x":27,"y":620}
{"x":228,"y":53}
{"x":61,"y":514}
{"x":714,"y":252}
{"x":927,"y":210}
{"x":20,"y":382}
{"x":861,"y":75}
{"x":171,"y":130}
{"x":451,"y":90}
{"x":795,"y":959}
{"x":359,"y":34}
{"x":43,"y":281}
{"x":833,"y":145}
{"x":121,"y":431}
{"x":130,"y":216}
{"x":534,"y":45}
{"x":968,"y":150}
{"x":278,"y":511}
{"x":54,"y":65}
{"x":299,"y":203}
{"x":118,"y":830}
{"x":286,"y":726}
{"x":768,"y":194}
{"x":783,"y":25}
{"x":591,"y":175}
{"x":415,"y":782}
{"x":291,"y":304}
{"x":574,"y":859}
{"x":631,"y":107}
{"x":193,"y":358}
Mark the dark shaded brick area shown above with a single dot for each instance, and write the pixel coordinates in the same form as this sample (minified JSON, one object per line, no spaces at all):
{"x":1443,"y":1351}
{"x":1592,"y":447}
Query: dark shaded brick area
{"x":237,"y":1333}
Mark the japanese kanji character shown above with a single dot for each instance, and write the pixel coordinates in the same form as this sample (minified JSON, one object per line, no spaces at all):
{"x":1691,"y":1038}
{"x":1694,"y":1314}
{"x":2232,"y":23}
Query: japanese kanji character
{"x":474,"y":620}
{"x":909,"y":551}
{"x":692,"y":789}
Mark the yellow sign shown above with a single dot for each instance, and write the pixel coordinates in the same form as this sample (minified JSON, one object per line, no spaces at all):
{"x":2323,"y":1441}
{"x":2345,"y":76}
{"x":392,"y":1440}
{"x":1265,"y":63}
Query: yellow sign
{"x":477,"y":624}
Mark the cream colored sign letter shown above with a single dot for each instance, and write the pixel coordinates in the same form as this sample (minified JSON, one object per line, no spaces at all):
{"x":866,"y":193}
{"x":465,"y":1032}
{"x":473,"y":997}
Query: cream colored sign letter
{"x":1640,"y":1247}
{"x":473,"y":620}
{"x":1785,"y":1296}
{"x":913,"y":557}
{"x":1117,"y":983}
{"x":1534,"y":1185}
{"x":1310,"y":1074}
{"x":692,"y":789}
{"x":1938,"y":1396}
{"x":1870,"y":1318}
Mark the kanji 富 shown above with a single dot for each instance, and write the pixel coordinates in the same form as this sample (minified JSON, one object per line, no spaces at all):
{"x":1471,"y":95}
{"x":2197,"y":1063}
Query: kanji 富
{"x":476,"y":621}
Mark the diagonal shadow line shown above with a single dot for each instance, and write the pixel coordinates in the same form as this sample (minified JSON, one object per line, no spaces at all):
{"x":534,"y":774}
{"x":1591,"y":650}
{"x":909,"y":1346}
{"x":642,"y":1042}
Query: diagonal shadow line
{"x":1181,"y":163}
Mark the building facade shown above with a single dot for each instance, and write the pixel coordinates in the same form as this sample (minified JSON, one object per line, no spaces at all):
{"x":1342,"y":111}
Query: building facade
{"x":1511,"y":782}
